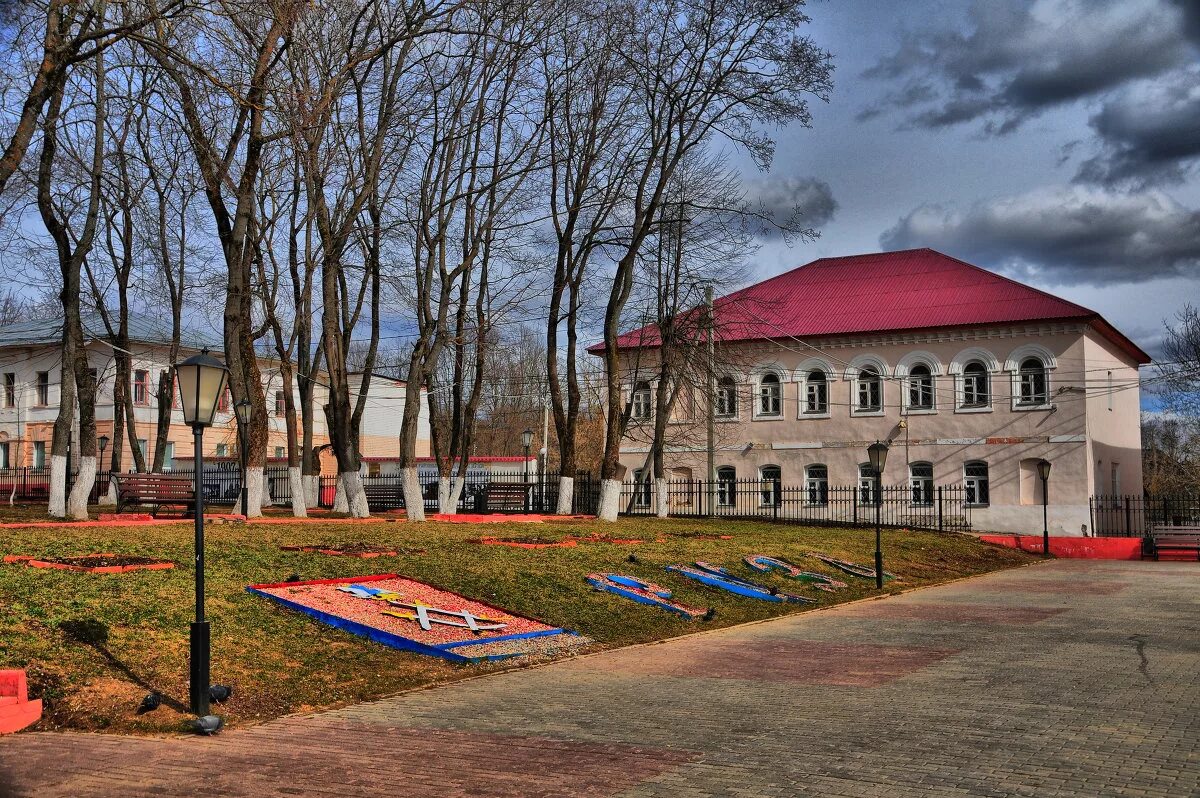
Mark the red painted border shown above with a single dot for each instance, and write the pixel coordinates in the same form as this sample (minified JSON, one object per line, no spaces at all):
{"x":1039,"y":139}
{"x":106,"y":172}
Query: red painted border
{"x":1073,"y":547}
{"x":338,"y":581}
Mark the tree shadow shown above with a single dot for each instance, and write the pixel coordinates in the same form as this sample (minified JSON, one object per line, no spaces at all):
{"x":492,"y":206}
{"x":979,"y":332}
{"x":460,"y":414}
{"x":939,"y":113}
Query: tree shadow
{"x":94,"y":634}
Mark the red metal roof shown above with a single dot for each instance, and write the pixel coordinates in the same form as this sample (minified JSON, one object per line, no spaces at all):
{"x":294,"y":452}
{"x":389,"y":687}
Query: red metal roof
{"x":915,"y":289}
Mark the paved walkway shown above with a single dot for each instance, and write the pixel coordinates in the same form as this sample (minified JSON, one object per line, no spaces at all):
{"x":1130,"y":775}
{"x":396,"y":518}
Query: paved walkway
{"x":1072,"y":678}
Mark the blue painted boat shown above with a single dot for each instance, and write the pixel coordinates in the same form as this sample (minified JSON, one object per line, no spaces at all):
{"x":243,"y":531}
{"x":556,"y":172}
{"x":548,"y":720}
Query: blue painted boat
{"x":716,"y":576}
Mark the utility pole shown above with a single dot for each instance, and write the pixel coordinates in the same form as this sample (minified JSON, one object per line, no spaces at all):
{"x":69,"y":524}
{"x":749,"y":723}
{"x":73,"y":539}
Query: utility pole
{"x":712,"y":395}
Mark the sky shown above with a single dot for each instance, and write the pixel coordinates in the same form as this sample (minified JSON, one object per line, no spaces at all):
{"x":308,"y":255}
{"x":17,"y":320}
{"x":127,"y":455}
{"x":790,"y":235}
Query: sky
{"x":1054,"y":141}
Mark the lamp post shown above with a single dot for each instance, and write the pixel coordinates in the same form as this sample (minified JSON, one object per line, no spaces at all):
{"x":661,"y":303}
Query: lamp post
{"x":243,"y":414}
{"x":527,"y":442}
{"x":1043,"y":469}
{"x":102,"y":441}
{"x":877,"y":452}
{"x":201,"y":383}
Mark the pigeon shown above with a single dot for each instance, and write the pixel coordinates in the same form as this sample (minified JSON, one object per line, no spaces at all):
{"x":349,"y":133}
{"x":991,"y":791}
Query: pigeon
{"x":633,"y":558}
{"x":151,"y":702}
{"x":712,"y":613}
{"x":219,"y":693}
{"x":208,"y":725}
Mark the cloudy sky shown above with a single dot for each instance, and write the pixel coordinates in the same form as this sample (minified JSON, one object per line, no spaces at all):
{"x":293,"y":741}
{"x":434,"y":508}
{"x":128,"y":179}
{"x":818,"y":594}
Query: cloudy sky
{"x":1056,"y":141}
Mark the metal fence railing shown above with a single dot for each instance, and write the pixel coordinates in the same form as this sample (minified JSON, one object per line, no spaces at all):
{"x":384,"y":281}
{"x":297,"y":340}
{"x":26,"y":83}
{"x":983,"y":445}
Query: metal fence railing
{"x":942,"y":507}
{"x":536,"y":493}
{"x":1135,"y":515}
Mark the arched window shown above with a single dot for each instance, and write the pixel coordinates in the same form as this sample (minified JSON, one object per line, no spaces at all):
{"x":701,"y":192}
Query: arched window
{"x":726,"y":486}
{"x":816,"y":392}
{"x":640,"y":402}
{"x":920,"y":388}
{"x":770,"y":476}
{"x":869,"y":390}
{"x":1034,"y":385}
{"x":816,"y":484}
{"x":921,"y":479}
{"x":866,"y":484}
{"x":725,"y":402}
{"x":976,"y":385}
{"x":975,"y":479}
{"x":770,"y":395}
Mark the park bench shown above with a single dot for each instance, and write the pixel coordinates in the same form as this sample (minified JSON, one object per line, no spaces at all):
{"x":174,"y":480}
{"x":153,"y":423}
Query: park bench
{"x":382,"y":495}
{"x":506,"y":496}
{"x":159,"y":490}
{"x":16,"y":710}
{"x":1173,"y":539}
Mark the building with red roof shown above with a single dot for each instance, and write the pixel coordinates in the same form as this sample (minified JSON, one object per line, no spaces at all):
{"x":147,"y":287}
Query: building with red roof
{"x":971,"y":377}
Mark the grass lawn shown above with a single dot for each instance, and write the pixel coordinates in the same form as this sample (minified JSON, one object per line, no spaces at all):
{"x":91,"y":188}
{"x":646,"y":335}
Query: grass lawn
{"x":94,"y":644}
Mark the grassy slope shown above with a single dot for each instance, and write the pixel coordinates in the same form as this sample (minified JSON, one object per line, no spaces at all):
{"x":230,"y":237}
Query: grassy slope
{"x":281,"y":662}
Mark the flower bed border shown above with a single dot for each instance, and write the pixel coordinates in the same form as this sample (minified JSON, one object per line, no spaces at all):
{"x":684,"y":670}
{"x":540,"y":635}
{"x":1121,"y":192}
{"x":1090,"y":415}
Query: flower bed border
{"x":33,"y":562}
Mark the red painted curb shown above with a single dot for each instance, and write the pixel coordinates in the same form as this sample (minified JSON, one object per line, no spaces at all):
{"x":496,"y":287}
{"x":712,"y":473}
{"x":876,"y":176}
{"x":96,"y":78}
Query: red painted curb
{"x":1073,"y":547}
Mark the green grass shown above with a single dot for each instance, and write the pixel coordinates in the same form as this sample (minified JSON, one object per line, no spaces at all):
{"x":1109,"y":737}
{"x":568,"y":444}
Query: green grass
{"x":95,"y":644}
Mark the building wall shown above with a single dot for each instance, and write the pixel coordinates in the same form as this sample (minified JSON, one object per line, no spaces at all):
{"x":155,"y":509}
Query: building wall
{"x":1008,"y":437}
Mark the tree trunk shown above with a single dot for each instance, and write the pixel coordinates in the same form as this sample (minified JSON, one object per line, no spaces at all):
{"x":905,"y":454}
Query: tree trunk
{"x":414,"y":502}
{"x":566,"y":496}
{"x":299,"y":492}
{"x":355,"y":496}
{"x":610,"y":499}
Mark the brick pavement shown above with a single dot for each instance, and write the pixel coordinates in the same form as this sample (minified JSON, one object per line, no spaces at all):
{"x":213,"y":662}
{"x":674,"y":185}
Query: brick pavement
{"x":1071,"y":678}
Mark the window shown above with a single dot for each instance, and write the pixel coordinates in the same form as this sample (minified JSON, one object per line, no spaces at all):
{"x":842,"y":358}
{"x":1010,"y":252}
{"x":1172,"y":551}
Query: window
{"x":279,"y":454}
{"x":921,"y":479}
{"x":920,"y":388}
{"x":976,"y":388}
{"x":141,"y":387}
{"x":770,"y":477}
{"x":39,"y":454}
{"x":641,"y":489}
{"x":280,"y":405}
{"x":725,"y":401}
{"x":1116,"y":479}
{"x":976,"y":480}
{"x":1033,"y":384}
{"x":169,"y":455}
{"x":222,"y":450}
{"x":43,"y":388}
{"x":866,"y":485}
{"x":10,"y":389}
{"x":373,"y":469}
{"x":816,"y":392}
{"x":641,"y":401}
{"x":726,"y":486}
{"x":869,"y":390}
{"x":770,"y":395}
{"x":4,"y":456}
{"x":816,"y":484}
{"x":143,"y":447}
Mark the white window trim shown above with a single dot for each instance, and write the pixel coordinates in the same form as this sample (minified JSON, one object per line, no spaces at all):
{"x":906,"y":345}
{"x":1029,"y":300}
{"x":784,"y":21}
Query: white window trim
{"x":737,"y":408}
{"x":756,"y":413}
{"x":633,"y":388}
{"x":904,"y":373}
{"x":852,"y":374}
{"x":960,"y":389}
{"x":776,"y":492}
{"x":1013,"y":367}
{"x":801,"y":381}
{"x":987,"y":479}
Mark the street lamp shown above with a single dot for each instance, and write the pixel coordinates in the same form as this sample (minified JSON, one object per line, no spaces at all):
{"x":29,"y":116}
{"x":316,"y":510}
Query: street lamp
{"x":243,"y":414}
{"x":201,"y":383}
{"x":527,"y":442}
{"x":878,"y":452}
{"x":1043,"y":468}
{"x":103,"y":442}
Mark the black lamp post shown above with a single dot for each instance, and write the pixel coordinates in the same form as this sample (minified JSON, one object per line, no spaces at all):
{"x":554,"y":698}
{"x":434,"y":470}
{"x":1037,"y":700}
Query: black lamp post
{"x":243,"y":414}
{"x":103,"y":443}
{"x":1043,"y":468}
{"x":201,"y":383}
{"x":877,"y":452}
{"x":527,"y":443}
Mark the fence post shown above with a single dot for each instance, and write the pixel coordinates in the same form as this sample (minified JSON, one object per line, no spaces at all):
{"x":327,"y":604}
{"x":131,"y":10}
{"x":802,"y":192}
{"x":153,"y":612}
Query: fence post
{"x":941,"y":521}
{"x":1128,"y":517}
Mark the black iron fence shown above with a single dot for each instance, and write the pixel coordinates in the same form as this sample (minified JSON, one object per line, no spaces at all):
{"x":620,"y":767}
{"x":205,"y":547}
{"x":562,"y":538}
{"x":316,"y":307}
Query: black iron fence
{"x":925,"y":506}
{"x":1136,"y":515}
{"x":532,"y":492}
{"x":222,"y":483}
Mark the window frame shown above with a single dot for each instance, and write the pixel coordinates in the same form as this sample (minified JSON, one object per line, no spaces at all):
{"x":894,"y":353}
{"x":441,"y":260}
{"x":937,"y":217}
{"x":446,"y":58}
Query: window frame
{"x":39,"y":454}
{"x":928,"y":389}
{"x":986,"y":375}
{"x":641,"y":402}
{"x":816,"y":486}
{"x":815,"y":379}
{"x":1027,"y":377}
{"x":6,"y":455}
{"x":642,"y":490}
{"x":775,"y":496}
{"x":857,"y":408}
{"x":10,"y":389}
{"x":726,"y":486}
{"x":973,"y":482}
{"x":141,"y":383}
{"x":866,"y":496}
{"x":761,"y":394}
{"x":42,"y":393}
{"x":921,"y":485}
{"x":726,"y":397}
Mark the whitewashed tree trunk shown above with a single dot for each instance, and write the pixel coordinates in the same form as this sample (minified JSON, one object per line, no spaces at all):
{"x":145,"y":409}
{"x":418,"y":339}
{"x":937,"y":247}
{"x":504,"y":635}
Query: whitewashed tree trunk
{"x":267,"y":499}
{"x":340,"y":505}
{"x":446,"y":503}
{"x":662,"y":501}
{"x":110,"y":496}
{"x":312,"y":490}
{"x":456,"y":493}
{"x":299,"y":489}
{"x":610,"y":499}
{"x":254,"y":492}
{"x":58,"y":486}
{"x":414,"y":502}
{"x":566,"y":496}
{"x":77,"y":502}
{"x":356,"y":497}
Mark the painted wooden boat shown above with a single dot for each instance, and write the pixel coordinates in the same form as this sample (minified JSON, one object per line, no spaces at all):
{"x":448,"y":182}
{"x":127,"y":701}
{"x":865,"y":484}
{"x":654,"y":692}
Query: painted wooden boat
{"x":643,"y":592}
{"x":852,"y":568}
{"x":765,"y":564}
{"x":716,"y":576}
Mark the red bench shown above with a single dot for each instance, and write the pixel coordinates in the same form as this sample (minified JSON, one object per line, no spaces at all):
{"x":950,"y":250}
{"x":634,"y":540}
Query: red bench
{"x":159,"y":490}
{"x":16,"y":710}
{"x":1175,"y":539}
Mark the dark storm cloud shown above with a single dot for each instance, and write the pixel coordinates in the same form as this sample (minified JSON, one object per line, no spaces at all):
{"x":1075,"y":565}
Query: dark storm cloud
{"x":1063,"y":235}
{"x":1018,"y":59}
{"x":1148,"y":133}
{"x":794,"y":202}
